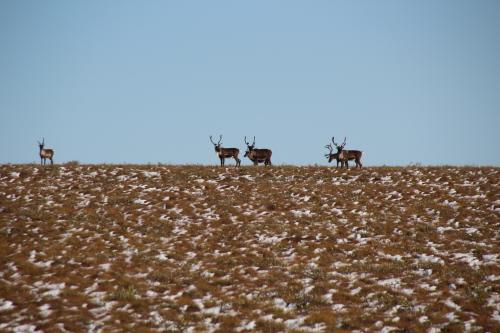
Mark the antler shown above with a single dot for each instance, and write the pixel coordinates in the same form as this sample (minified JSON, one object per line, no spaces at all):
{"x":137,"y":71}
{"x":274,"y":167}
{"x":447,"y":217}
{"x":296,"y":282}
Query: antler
{"x":333,"y":141}
{"x":329,"y":148}
{"x":253,"y":144}
{"x":336,"y":145}
{"x":216,"y":144}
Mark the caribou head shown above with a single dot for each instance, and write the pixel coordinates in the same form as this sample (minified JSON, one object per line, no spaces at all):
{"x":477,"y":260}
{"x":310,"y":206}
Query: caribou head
{"x":341,"y":147}
{"x":218,"y":144}
{"x":331,"y":156}
{"x":250,"y":147}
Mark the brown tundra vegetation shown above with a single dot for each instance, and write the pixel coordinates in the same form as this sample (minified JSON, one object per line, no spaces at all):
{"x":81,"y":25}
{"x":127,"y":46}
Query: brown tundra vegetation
{"x":107,"y":248}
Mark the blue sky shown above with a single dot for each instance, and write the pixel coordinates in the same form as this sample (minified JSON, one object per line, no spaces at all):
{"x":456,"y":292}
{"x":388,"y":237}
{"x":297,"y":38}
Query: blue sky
{"x":149,"y":81}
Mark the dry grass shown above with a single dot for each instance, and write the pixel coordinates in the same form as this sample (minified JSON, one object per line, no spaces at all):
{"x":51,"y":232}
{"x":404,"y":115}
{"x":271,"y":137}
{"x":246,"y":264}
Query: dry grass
{"x":296,"y":249}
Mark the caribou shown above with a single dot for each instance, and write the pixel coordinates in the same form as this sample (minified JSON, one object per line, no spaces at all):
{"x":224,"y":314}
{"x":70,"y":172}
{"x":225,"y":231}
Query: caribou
{"x":45,"y":153}
{"x":344,"y":156}
{"x":224,"y":153}
{"x":257,"y":155}
{"x":331,"y":156}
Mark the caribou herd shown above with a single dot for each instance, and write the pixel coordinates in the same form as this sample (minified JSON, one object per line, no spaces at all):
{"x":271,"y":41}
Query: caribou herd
{"x":256,"y":155}
{"x":342,"y":156}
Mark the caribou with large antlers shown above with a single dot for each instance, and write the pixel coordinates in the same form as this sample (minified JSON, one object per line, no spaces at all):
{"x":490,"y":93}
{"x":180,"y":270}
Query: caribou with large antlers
{"x":344,"y":156}
{"x":257,"y":155}
{"x":331,"y":156}
{"x":224,"y":153}
{"x":45,"y":153}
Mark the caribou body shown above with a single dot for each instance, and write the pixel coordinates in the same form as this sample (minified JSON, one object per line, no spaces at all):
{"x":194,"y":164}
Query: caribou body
{"x":257,"y":155}
{"x":45,"y":153}
{"x":224,"y":153}
{"x":344,"y":156}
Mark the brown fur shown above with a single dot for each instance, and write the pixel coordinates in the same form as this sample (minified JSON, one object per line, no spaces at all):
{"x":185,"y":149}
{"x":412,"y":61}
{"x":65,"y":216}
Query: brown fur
{"x":224,"y":153}
{"x":45,"y":153}
{"x":343,"y":156}
{"x":348,"y":155}
{"x":257,"y":155}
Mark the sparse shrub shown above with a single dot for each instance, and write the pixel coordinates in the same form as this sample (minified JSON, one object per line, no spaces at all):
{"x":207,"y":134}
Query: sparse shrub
{"x":163,"y":277}
{"x":270,"y":206}
{"x":269,"y":326}
{"x":387,"y":299}
{"x":480,"y":292}
{"x":316,"y":274}
{"x":124,"y":294}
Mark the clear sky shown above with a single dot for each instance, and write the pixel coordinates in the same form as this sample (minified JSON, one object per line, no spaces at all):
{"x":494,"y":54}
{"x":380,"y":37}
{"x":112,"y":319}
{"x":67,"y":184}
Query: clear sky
{"x":149,"y":81}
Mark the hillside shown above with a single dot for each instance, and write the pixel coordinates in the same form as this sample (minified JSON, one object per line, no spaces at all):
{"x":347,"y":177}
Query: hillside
{"x":203,"y":249}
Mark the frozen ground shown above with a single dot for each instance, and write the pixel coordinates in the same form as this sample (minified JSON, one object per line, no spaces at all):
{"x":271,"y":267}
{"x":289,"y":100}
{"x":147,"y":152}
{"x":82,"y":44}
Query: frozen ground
{"x":292,"y":249}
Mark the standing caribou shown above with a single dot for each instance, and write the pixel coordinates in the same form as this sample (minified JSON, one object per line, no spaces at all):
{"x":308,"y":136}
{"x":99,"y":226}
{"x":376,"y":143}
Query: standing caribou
{"x":331,"y":156}
{"x":257,"y":155}
{"x":45,"y":153}
{"x":343,"y":156}
{"x":224,"y":153}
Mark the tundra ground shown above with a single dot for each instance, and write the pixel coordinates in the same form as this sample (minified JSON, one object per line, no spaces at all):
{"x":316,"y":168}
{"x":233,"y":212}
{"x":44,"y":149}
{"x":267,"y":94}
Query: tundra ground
{"x":278,"y":249}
